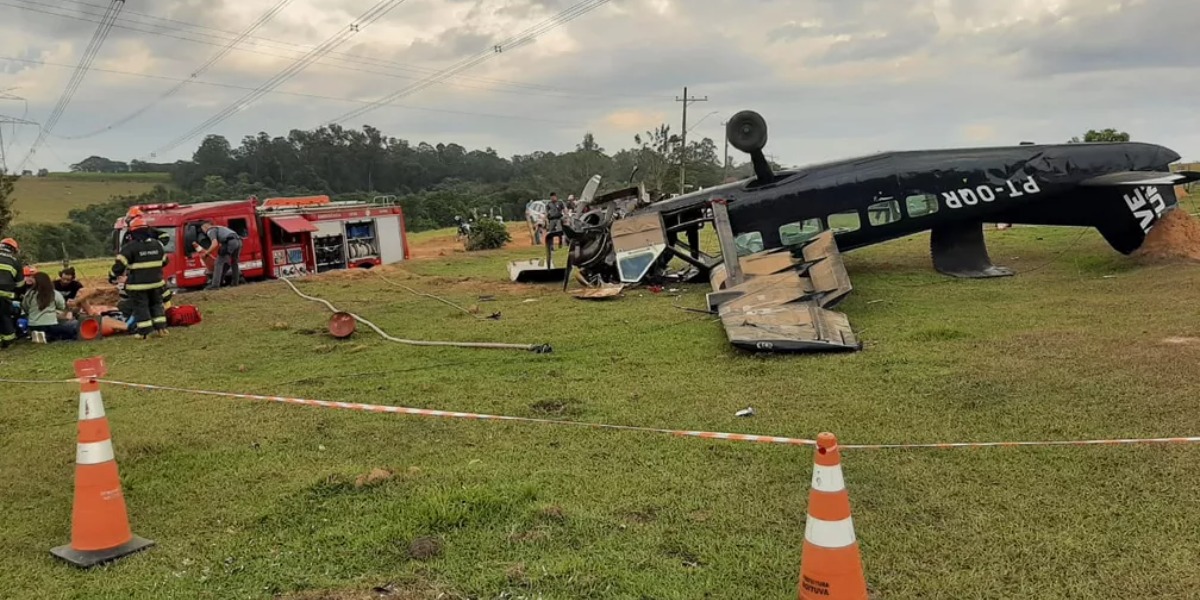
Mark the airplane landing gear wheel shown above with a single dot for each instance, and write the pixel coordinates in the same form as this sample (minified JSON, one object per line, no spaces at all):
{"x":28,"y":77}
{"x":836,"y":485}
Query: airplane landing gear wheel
{"x":747,"y":131}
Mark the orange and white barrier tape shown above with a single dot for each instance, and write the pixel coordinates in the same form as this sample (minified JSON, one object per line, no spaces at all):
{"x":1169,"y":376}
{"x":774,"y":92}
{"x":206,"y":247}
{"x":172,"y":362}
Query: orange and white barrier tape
{"x":379,"y":408}
{"x":714,"y":435}
{"x":1116,"y":442}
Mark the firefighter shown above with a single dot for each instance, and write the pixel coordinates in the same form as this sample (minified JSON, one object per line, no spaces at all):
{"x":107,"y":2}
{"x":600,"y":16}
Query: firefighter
{"x":135,"y":212}
{"x":167,"y":294}
{"x":142,"y":262}
{"x":12,"y":285}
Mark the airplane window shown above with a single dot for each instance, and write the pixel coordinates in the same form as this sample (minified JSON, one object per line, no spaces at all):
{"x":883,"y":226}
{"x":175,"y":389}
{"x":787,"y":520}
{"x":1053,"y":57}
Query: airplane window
{"x":882,"y":213}
{"x":749,"y":243}
{"x":797,"y":233}
{"x":634,"y":266}
{"x":920,"y":205}
{"x":845,"y":222}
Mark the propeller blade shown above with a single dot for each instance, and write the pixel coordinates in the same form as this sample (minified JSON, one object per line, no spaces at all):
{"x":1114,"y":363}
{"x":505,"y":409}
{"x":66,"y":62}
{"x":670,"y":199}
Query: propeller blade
{"x":567,"y":274}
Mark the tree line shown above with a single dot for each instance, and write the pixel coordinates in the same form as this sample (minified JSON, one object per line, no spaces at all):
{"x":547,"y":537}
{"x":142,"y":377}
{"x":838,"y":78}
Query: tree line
{"x":432,"y":182}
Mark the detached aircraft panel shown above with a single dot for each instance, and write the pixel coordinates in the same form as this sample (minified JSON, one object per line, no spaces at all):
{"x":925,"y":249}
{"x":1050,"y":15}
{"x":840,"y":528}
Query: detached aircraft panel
{"x":781,"y":305}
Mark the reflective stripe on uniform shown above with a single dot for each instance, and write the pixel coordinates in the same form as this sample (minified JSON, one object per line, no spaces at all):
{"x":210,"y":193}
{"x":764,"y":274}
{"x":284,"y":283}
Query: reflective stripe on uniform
{"x":121,"y":259}
{"x":8,"y":338}
{"x":160,"y":320}
{"x":145,"y":324}
{"x":140,"y":287}
{"x":9,"y":268}
{"x":8,"y":295}
{"x":146,"y":265}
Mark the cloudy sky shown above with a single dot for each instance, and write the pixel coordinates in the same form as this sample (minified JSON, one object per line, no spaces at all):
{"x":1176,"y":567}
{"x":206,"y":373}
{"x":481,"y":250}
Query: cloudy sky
{"x":832,"y":77}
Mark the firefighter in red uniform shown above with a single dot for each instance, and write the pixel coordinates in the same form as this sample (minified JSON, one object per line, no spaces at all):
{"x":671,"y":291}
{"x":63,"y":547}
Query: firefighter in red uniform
{"x":12,"y":284}
{"x":142,"y":260}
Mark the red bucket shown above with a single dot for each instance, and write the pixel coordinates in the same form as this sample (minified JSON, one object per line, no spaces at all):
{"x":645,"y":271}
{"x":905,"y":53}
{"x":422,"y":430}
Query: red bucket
{"x":341,"y":325}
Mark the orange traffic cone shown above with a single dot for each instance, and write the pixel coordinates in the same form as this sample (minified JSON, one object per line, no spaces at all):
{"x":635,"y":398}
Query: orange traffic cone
{"x":99,"y":521}
{"x":830,"y":566}
{"x":89,"y":328}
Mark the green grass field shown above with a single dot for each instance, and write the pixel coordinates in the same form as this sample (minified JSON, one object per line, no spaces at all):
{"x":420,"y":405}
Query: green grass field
{"x":248,"y":499}
{"x":49,"y":199}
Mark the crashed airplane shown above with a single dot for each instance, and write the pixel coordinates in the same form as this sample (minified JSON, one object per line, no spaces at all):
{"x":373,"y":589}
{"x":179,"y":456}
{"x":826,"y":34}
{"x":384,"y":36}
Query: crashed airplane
{"x":782,"y":233}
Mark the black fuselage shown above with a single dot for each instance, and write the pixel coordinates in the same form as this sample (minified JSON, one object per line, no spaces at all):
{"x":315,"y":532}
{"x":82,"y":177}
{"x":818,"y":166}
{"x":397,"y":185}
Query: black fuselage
{"x":876,"y":198}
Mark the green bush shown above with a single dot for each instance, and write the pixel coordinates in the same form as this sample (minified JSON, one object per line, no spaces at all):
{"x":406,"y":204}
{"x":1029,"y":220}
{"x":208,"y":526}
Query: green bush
{"x":487,"y":234}
{"x":44,"y":242}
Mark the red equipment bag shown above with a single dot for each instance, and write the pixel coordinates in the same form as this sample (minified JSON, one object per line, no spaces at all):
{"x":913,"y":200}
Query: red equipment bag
{"x":182,"y":316}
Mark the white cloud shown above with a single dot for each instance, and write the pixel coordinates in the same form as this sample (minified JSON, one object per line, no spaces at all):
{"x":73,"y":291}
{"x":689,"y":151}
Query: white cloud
{"x":832,"y":77}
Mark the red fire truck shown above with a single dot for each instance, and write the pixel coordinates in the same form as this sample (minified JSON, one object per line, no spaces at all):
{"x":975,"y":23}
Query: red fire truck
{"x":281,"y":237}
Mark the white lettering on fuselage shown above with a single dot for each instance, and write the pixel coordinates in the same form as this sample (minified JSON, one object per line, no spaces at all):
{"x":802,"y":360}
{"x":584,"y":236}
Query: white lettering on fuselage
{"x":1146,"y":203}
{"x":969,"y":196}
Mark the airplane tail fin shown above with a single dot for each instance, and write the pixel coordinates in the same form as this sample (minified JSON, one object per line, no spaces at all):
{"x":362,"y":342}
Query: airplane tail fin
{"x":1131,"y":204}
{"x":1122,"y":206}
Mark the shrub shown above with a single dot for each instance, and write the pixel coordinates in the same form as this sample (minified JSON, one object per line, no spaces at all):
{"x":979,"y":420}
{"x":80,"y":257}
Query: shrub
{"x":44,"y":242}
{"x":487,"y":234}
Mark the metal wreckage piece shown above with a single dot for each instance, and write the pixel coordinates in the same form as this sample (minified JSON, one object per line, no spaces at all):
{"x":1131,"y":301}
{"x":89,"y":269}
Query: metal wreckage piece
{"x":787,"y":230}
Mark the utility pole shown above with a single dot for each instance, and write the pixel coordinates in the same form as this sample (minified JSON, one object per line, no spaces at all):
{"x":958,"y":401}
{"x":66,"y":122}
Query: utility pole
{"x":683,"y":139}
{"x":5,"y":120}
{"x":725,"y":165}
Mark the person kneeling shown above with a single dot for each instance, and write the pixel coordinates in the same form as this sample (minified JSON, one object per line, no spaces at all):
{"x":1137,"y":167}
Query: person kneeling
{"x":49,"y":320}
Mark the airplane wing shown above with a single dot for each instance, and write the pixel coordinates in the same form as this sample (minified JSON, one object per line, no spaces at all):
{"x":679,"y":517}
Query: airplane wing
{"x":782,"y":305}
{"x":1142,"y":178}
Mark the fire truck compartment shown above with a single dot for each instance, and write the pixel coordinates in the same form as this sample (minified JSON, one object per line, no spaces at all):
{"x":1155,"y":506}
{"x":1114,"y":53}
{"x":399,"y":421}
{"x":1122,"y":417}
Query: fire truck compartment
{"x":294,"y":224}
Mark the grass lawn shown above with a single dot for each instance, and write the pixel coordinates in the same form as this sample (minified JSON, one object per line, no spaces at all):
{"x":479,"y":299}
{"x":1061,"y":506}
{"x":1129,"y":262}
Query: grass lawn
{"x":249,"y":499}
{"x":49,"y":199}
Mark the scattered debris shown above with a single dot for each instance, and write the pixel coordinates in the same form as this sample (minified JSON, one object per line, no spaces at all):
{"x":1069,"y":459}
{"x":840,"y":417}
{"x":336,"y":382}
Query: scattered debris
{"x":602,"y":292}
{"x":745,"y":412}
{"x":280,"y":326}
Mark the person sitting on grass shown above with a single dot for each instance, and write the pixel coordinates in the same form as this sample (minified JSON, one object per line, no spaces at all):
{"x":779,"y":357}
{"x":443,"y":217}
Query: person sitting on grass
{"x":68,"y":285}
{"x":47,"y":310}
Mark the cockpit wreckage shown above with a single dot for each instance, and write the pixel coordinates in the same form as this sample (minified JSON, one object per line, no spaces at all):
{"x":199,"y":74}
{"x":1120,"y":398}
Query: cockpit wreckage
{"x":785,"y":231}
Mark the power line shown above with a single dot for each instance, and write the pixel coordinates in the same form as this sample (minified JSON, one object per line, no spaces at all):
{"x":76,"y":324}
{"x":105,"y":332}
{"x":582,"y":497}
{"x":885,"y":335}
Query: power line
{"x":521,"y":39}
{"x":282,"y":92}
{"x":350,"y":58}
{"x":373,"y":14}
{"x":262,"y":20}
{"x":357,"y":58}
{"x":89,"y":54}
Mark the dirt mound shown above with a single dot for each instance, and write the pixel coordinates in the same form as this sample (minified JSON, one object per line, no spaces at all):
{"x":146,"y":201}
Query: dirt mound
{"x":442,"y":245}
{"x":1175,"y":238}
{"x":376,"y":475}
{"x":448,"y":244}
